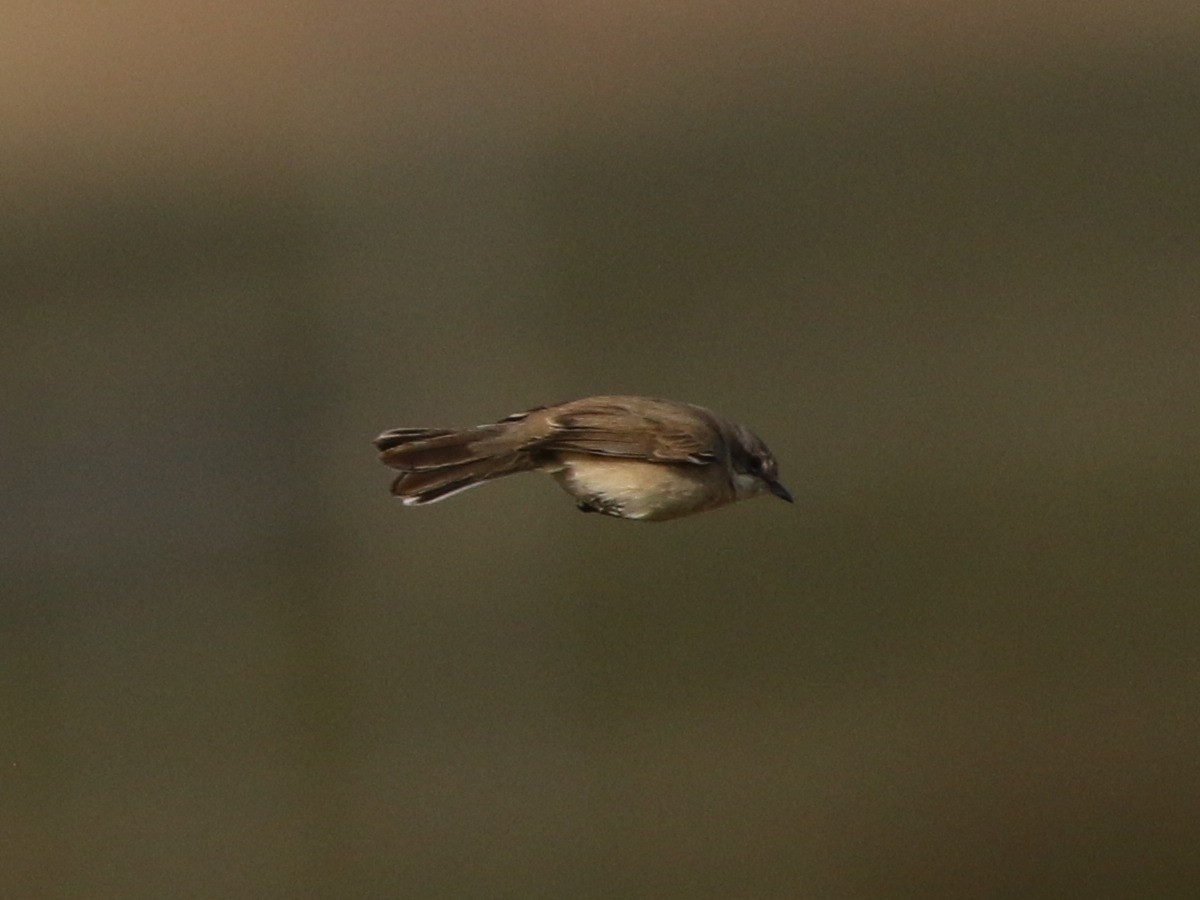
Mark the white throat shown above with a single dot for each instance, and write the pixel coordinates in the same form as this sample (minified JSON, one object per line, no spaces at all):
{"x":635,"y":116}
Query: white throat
{"x":746,"y":485}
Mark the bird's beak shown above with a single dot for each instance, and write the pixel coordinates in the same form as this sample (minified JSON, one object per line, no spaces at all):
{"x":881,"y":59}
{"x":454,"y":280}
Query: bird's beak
{"x":779,"y":491}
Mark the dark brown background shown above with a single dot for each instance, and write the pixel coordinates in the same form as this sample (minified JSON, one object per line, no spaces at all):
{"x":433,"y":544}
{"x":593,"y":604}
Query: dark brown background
{"x":942,"y":256}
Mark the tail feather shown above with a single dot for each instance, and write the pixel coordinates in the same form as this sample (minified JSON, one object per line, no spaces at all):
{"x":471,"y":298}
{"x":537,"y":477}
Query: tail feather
{"x":436,"y":463}
{"x":417,"y":488}
{"x":397,"y":436}
{"x":432,"y":494}
{"x":416,"y":450}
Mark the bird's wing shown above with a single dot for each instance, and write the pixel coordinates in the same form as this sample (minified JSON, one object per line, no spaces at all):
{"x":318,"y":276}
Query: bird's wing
{"x":658,"y":431}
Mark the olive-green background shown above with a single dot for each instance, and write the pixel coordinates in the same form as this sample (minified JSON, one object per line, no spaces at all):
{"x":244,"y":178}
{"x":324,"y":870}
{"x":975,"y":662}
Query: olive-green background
{"x":944,"y":257}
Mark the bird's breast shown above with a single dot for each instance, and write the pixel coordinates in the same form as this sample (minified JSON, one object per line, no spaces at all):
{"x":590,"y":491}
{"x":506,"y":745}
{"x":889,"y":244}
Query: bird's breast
{"x":634,"y":489}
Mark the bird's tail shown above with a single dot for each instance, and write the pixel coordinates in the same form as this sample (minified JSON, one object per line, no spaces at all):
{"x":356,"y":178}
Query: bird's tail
{"x":436,"y":463}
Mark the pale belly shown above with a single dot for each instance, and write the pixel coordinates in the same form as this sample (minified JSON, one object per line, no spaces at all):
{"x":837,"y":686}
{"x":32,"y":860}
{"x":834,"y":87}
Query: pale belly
{"x":633,"y":489}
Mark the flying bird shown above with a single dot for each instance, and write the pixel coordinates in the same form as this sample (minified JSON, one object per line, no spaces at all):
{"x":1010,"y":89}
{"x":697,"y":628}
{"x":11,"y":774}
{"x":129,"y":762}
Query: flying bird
{"x":628,"y":457}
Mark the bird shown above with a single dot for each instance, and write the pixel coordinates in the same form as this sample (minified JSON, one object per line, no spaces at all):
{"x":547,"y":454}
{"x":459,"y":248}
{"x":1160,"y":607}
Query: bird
{"x":639,"y":458}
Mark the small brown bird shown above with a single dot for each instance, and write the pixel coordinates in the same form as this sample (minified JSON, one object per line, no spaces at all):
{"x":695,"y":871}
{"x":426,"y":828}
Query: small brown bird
{"x":629,"y":457}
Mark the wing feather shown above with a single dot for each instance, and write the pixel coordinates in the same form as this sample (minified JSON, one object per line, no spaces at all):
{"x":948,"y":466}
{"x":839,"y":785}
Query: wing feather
{"x":659,"y":431}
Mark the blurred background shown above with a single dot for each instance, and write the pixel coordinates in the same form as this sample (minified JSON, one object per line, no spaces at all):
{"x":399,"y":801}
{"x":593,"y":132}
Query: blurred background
{"x":941,"y":256}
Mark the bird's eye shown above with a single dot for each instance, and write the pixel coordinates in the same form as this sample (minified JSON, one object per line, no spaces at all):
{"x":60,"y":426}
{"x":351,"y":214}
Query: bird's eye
{"x":754,"y":464}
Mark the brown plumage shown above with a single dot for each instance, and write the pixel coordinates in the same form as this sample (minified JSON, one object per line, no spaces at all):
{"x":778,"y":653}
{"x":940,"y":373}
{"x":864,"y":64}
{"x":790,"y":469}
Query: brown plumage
{"x":630,"y":457}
